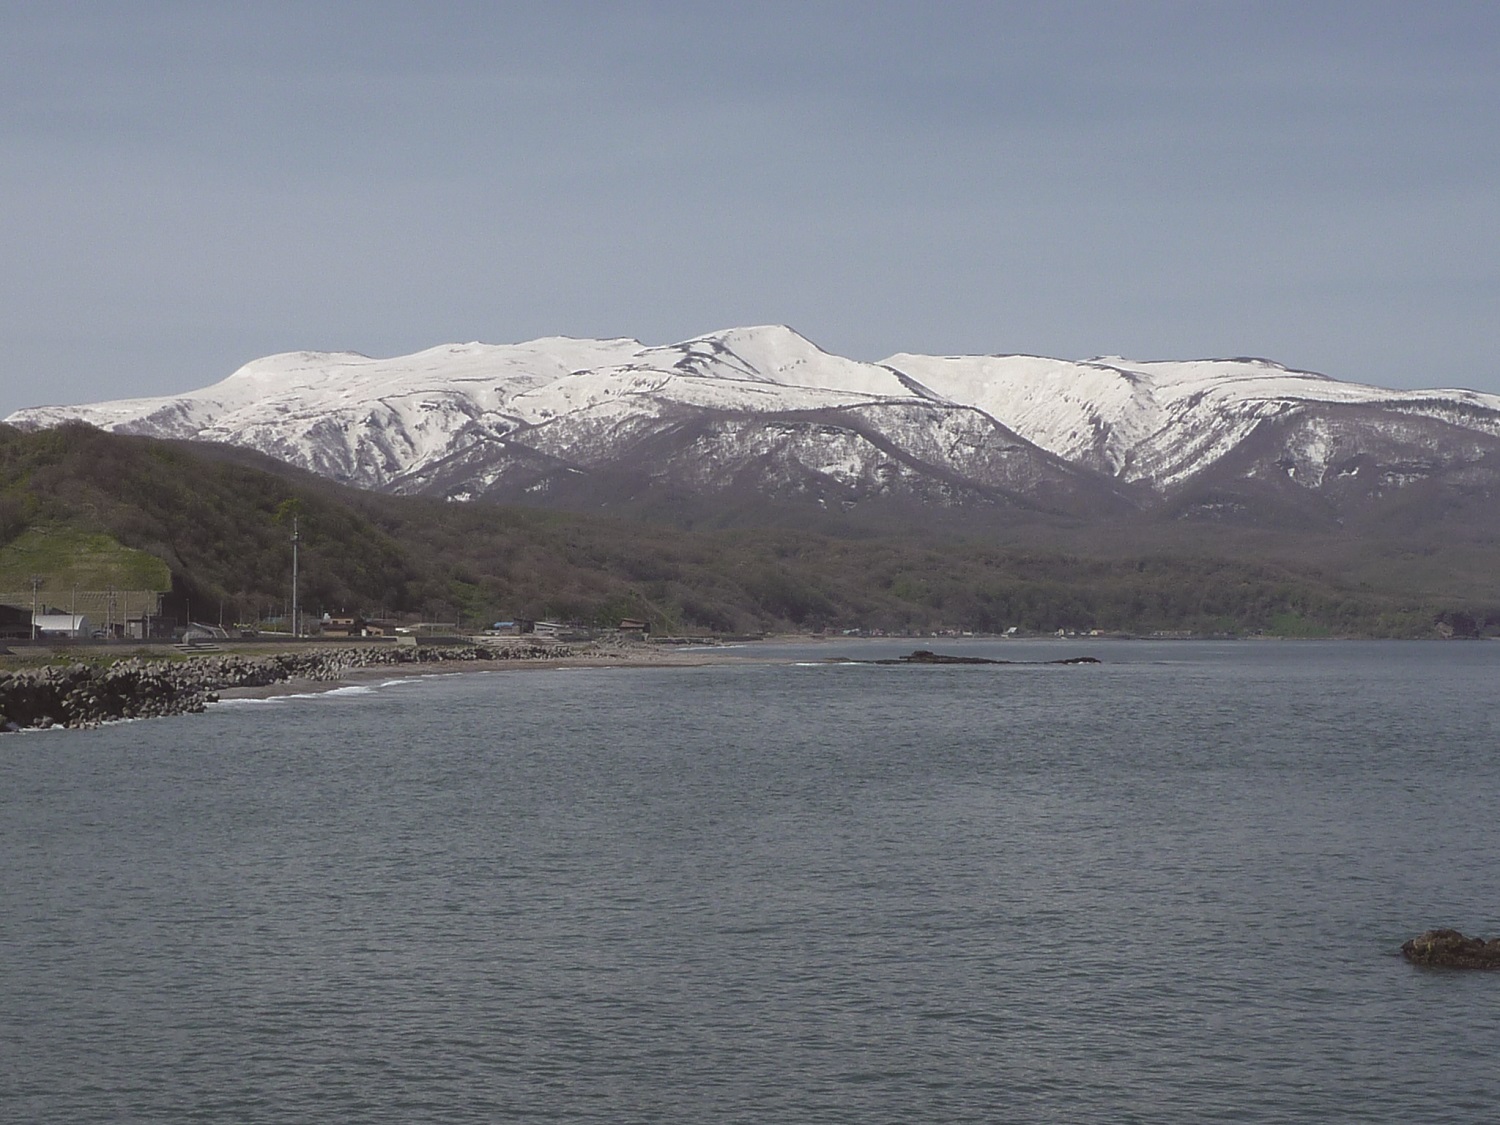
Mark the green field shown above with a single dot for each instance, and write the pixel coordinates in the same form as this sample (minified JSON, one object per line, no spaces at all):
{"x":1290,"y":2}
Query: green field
{"x":66,"y":559}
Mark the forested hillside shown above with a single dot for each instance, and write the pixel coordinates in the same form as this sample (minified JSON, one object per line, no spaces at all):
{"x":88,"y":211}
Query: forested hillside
{"x":218,"y":519}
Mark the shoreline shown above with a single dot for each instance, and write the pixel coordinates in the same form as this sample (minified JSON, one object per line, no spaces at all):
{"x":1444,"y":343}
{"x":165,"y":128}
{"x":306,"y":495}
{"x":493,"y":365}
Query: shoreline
{"x":156,"y":683}
{"x":147,"y":685}
{"x":82,"y":695}
{"x":628,"y":658}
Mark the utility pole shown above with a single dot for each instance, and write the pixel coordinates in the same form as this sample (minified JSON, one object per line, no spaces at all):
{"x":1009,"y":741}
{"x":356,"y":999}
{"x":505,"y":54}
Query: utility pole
{"x":296,"y":538}
{"x":36,"y":583}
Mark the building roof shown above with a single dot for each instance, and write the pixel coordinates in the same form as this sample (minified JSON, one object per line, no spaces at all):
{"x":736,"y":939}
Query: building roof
{"x":59,"y":621}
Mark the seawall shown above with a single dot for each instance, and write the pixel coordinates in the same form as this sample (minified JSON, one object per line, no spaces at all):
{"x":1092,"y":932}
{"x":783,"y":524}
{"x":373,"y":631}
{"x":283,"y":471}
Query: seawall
{"x":84,"y":695}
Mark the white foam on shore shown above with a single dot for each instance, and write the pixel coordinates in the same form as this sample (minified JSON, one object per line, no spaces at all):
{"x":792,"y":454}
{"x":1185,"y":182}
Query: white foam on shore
{"x":354,"y":689}
{"x":345,"y":690}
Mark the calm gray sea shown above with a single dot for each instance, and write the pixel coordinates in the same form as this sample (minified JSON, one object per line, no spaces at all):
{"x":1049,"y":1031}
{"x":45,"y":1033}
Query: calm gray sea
{"x":1169,"y":888}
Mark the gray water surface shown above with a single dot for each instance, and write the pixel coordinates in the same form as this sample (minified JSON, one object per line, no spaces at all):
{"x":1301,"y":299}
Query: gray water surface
{"x":1169,"y":888}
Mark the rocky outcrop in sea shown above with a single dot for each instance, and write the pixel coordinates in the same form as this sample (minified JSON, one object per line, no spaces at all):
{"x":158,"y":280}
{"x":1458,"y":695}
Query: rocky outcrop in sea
{"x":926,"y":656}
{"x":1449,"y":949}
{"x":86,"y":695}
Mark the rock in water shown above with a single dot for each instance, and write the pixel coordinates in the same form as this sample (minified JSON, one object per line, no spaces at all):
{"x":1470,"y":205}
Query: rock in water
{"x":1449,"y":949}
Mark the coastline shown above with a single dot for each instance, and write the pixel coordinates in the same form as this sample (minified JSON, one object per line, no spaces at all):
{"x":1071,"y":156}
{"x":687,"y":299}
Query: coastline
{"x":92,"y":690}
{"x":144,"y":685}
{"x":592,"y":656}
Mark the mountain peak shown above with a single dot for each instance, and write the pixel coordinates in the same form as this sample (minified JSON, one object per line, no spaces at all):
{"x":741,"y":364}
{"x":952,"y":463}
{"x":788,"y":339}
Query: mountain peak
{"x":475,"y":418}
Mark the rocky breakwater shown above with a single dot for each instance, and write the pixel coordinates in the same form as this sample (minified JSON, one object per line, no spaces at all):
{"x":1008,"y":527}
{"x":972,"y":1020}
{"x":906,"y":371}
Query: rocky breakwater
{"x":1449,"y":949}
{"x":85,"y":695}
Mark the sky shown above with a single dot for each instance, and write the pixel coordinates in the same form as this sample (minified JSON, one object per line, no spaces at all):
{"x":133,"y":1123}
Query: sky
{"x":185,"y":187}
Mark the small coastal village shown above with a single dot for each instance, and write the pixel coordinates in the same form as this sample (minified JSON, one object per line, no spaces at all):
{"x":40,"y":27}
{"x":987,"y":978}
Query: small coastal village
{"x":76,"y":657}
{"x":79,"y":658}
{"x":70,"y":669}
{"x":93,"y":663}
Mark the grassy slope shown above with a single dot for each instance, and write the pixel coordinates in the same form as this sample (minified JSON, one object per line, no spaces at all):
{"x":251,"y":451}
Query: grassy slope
{"x":211,"y":516}
{"x":68,"y":558}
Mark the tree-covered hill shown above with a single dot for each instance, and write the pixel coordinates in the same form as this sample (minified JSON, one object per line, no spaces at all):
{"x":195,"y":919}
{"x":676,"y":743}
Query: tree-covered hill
{"x":211,"y":515}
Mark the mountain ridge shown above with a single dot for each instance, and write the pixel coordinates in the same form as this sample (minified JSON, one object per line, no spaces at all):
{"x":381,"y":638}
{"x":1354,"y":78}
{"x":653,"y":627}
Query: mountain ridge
{"x":764,"y":408}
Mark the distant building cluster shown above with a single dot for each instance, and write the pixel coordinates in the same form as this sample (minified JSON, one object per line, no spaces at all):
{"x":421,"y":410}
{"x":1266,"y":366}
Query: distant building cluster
{"x":90,"y":615}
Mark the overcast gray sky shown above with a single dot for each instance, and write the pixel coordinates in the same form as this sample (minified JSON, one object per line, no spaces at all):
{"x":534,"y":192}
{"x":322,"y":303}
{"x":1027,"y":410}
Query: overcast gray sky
{"x":187,"y":186}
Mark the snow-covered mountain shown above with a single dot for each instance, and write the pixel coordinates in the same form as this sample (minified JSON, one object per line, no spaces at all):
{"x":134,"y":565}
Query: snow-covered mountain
{"x":763,"y":410}
{"x":1164,"y":423}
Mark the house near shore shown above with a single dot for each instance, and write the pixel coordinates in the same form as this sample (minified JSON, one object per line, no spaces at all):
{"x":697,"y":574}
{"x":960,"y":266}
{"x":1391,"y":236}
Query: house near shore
{"x":630,"y":626}
{"x":63,"y":626}
{"x":352,"y":625}
{"x":112,"y":613}
{"x":141,"y":628}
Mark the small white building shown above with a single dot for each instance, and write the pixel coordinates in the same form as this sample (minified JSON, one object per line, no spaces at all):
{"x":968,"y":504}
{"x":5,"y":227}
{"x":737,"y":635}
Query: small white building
{"x":74,"y":625}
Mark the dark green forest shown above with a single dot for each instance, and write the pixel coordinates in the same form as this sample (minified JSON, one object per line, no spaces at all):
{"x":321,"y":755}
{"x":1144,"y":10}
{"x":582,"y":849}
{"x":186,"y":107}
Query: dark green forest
{"x":216,"y":517}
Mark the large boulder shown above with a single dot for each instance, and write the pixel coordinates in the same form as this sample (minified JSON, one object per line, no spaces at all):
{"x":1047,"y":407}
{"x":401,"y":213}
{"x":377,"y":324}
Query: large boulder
{"x":1449,"y":949}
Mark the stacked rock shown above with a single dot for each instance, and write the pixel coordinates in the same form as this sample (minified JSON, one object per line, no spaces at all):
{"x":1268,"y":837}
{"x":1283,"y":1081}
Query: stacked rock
{"x":83,"y":695}
{"x":80,"y":695}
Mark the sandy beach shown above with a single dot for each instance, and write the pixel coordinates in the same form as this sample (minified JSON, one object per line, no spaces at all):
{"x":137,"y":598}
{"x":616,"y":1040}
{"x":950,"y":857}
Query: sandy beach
{"x":591,"y":655}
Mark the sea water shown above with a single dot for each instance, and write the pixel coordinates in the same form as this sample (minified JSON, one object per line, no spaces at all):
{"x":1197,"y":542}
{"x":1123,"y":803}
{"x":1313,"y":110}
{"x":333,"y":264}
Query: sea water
{"x":1166,"y":888}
